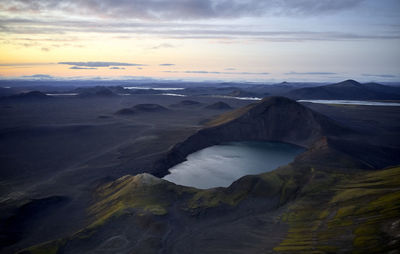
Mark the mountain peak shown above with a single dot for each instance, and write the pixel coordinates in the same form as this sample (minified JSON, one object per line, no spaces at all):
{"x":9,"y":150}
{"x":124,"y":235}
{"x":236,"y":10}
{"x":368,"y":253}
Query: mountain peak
{"x":146,"y":179}
{"x":219,"y":105}
{"x":349,"y":82}
{"x":31,"y":95}
{"x":276,"y":100}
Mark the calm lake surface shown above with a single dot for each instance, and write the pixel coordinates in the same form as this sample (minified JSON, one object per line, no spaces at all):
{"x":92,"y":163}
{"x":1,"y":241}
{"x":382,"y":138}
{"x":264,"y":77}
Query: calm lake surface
{"x":220,"y":165}
{"x":352,"y":102}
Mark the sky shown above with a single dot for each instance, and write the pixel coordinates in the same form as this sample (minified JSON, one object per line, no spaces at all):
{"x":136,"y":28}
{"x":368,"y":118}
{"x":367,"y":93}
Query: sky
{"x":249,"y":40}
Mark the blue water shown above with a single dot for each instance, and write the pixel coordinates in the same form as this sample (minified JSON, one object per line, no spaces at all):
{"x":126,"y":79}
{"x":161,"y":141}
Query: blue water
{"x":354,"y":102}
{"x":220,"y":165}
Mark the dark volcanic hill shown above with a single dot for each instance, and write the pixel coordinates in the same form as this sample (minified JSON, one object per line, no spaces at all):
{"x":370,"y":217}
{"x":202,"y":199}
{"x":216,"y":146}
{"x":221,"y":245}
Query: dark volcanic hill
{"x":242,"y":93}
{"x":33,"y":95}
{"x":219,"y":106}
{"x":272,"y":119}
{"x":186,"y":103}
{"x":142,"y":108}
{"x":347,"y":90}
{"x":98,"y":91}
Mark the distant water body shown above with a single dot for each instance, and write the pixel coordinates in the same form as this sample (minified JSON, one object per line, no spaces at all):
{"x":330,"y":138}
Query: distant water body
{"x":220,"y":165}
{"x":174,"y":94}
{"x":239,"y":98}
{"x":61,"y":94}
{"x":155,"y":88}
{"x":351,"y":102}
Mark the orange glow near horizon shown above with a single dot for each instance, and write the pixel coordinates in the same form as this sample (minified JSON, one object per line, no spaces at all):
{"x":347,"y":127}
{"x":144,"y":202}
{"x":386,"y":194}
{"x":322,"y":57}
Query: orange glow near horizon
{"x":269,"y":42}
{"x":44,"y":59}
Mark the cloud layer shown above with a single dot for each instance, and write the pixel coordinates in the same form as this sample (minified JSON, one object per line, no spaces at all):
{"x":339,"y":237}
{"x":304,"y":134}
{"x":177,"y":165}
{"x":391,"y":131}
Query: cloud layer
{"x":219,"y":72}
{"x":66,"y":32}
{"x":82,"y":68}
{"x":71,"y":20}
{"x":310,"y":73}
{"x":100,"y":64}
{"x":205,"y":37}
{"x":380,"y":75}
{"x":39,"y":76}
{"x":180,"y":9}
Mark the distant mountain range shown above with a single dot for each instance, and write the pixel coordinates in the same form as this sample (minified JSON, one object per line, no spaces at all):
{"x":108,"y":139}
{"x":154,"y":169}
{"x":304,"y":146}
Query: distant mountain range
{"x":347,"y":90}
{"x":33,"y":95}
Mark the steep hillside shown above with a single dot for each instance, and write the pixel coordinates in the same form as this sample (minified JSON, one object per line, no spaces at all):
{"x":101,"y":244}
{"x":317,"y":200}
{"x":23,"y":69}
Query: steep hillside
{"x":272,"y":119}
{"x":357,"y":214}
{"x":291,"y":210}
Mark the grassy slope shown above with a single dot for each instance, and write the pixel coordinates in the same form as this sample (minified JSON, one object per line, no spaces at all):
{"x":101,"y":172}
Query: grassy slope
{"x":146,"y":196}
{"x":326,"y":211}
{"x":357,"y":214}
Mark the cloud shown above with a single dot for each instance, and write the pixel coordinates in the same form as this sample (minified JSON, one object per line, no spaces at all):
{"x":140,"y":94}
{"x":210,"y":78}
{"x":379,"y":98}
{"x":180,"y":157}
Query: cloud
{"x":230,"y":69}
{"x":171,"y":30}
{"x":180,"y":9}
{"x":380,"y":75}
{"x":163,"y":45}
{"x":25,"y":64}
{"x":117,"y":68}
{"x":219,"y":72}
{"x":203,"y":72}
{"x":82,"y":68}
{"x":39,"y":76}
{"x":166,"y":64}
{"x":310,"y":73}
{"x":99,"y":64}
{"x":182,"y":19}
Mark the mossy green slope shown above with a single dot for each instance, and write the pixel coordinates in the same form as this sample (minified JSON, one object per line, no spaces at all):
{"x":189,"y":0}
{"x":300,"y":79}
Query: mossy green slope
{"x":327,"y":212}
{"x":146,"y":197}
{"x":52,"y":247}
{"x":143,"y":192}
{"x":358,"y":214}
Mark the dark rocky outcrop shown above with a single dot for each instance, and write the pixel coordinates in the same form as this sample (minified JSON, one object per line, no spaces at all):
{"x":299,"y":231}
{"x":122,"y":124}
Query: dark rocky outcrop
{"x":142,"y":108}
{"x":186,"y":103}
{"x":219,"y":106}
{"x":22,"y":220}
{"x":272,"y":119}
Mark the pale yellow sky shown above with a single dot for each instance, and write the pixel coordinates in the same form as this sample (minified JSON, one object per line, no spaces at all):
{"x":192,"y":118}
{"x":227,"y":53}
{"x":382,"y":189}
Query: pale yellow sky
{"x":331,"y":43}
